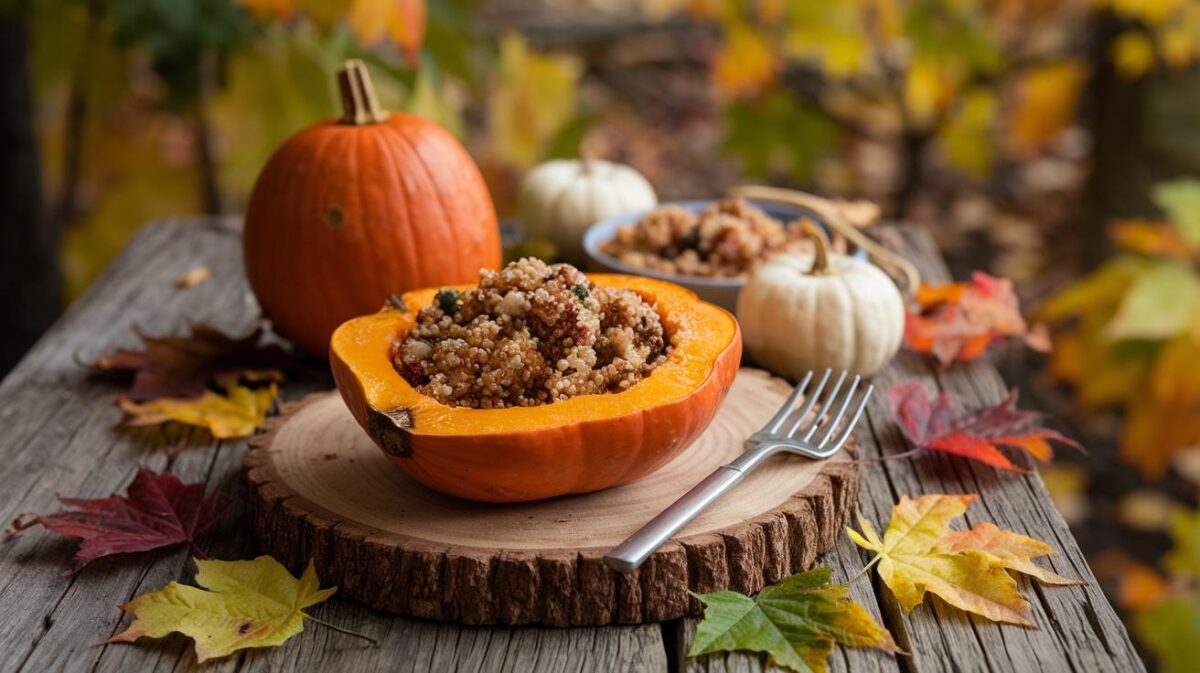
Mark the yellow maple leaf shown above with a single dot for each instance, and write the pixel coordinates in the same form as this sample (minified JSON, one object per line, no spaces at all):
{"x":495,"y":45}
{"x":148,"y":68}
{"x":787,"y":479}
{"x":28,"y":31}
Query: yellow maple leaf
{"x":831,"y":34}
{"x":1151,"y":12}
{"x":1046,"y":100}
{"x":1132,"y":53}
{"x":1163,"y":422}
{"x":401,"y":21}
{"x":745,"y":63}
{"x":1015,"y":551}
{"x":532,"y":99}
{"x":967,"y":136}
{"x":929,"y":85}
{"x":248,"y":604}
{"x":234,"y":415}
{"x":919,"y":554}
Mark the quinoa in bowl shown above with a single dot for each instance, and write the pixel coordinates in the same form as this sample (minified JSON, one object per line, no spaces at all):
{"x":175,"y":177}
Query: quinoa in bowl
{"x":530,"y":334}
{"x":726,"y":240}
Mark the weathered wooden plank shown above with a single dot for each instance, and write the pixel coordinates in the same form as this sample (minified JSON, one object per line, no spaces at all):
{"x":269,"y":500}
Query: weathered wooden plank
{"x":1079,"y":629}
{"x":60,"y":437}
{"x":53,"y":621}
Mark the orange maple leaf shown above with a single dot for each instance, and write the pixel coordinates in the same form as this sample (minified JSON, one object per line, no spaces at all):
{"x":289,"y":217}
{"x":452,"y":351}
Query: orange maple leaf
{"x":957,"y":321}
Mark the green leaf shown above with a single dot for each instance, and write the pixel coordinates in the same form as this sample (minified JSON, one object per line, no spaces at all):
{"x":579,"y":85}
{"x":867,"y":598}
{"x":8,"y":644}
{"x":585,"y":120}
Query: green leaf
{"x":566,"y":144}
{"x":177,"y":36}
{"x":1180,"y":200}
{"x":1160,"y":304}
{"x":778,"y":135}
{"x":796,"y":622}
{"x":829,"y":33}
{"x":1171,"y":630}
{"x":1099,"y":292}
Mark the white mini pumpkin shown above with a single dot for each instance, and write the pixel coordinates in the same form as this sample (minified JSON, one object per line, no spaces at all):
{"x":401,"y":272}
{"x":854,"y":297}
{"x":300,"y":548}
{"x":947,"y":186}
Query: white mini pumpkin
{"x":560,"y":199}
{"x":810,"y":312}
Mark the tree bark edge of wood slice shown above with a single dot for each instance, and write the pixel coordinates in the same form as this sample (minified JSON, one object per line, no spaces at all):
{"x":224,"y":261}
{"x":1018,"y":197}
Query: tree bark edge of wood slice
{"x":561,"y":584}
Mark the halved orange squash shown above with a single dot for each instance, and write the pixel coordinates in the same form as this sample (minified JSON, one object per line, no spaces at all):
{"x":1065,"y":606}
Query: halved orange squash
{"x":577,"y":445}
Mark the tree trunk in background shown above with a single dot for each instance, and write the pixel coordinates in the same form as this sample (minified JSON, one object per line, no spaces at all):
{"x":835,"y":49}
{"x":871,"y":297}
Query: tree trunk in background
{"x":30,"y":281}
{"x":1123,"y":169}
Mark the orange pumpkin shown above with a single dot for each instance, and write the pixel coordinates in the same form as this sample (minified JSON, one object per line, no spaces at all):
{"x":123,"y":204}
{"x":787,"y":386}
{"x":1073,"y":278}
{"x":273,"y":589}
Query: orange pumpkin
{"x":353,"y":210}
{"x":577,"y":445}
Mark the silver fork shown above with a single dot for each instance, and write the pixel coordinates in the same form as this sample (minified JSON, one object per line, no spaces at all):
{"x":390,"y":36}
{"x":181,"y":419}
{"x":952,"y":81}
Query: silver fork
{"x":789,"y":431}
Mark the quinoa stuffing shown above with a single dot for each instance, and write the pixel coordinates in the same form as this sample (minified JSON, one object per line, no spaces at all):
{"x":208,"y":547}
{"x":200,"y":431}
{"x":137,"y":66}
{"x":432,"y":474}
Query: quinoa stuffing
{"x":530,"y":334}
{"x":724,"y":241}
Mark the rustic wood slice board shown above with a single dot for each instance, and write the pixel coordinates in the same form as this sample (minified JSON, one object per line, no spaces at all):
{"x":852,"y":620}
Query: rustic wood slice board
{"x":320,"y":489}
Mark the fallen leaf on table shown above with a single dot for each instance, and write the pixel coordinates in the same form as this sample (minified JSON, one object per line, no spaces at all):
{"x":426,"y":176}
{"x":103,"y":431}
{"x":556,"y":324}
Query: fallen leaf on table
{"x":185,"y":366}
{"x":248,"y":604}
{"x":193,"y":277}
{"x":237,"y":414}
{"x":796,"y":622}
{"x":919,"y":554}
{"x":157,"y":511}
{"x":934,"y":424}
{"x":957,"y":321}
{"x":1014,"y":551}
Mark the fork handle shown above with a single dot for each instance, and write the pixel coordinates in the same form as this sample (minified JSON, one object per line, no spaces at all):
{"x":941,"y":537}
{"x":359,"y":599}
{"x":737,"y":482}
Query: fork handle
{"x":634,"y":551}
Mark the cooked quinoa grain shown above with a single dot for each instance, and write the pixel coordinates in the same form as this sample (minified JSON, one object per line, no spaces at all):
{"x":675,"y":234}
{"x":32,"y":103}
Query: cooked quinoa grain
{"x":530,"y":334}
{"x":726,"y":240}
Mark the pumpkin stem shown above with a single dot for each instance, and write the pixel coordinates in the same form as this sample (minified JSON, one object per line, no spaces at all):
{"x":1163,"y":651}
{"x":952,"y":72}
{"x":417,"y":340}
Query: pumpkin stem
{"x":820,"y":265}
{"x":359,"y":103}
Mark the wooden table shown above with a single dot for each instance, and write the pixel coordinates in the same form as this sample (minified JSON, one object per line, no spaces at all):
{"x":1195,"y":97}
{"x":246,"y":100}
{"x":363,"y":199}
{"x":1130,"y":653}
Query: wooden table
{"x":59,"y":436}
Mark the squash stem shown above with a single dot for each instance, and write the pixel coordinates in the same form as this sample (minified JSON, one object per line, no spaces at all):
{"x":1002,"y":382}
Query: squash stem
{"x":360,"y":105}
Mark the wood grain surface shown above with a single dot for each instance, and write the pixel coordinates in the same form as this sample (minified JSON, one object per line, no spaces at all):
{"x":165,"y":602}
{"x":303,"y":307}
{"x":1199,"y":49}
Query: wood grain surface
{"x":60,"y":436}
{"x":318,"y":482}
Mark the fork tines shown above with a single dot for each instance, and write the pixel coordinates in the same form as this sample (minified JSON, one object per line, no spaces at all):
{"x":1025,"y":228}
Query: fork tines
{"x":803,"y":424}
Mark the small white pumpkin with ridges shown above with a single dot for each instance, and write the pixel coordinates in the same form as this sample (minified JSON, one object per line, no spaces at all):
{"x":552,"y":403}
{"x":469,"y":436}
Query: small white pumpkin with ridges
{"x":800,"y":313}
{"x":560,"y":199}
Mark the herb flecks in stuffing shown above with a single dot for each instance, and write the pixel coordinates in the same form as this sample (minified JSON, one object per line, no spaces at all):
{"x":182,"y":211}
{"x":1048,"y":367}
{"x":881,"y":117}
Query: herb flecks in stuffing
{"x":447,"y":300}
{"x":530,"y":334}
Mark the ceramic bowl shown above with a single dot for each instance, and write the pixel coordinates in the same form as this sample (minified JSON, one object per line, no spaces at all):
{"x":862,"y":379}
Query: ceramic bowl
{"x":720,"y":291}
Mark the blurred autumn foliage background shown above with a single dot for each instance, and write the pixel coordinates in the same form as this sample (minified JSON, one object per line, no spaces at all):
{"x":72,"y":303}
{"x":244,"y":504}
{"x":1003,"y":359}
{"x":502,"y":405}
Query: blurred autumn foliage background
{"x":1049,"y":141}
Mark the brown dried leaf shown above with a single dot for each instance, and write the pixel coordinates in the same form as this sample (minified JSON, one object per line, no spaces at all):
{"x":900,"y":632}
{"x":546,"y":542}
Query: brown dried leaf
{"x":185,"y":366}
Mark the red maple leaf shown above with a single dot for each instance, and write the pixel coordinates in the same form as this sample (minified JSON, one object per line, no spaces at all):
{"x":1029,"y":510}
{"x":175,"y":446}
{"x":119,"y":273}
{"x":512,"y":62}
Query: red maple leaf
{"x":957,"y":321}
{"x":157,"y":511}
{"x":934,"y":424}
